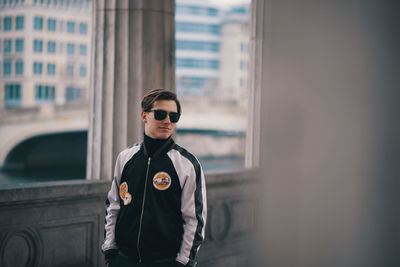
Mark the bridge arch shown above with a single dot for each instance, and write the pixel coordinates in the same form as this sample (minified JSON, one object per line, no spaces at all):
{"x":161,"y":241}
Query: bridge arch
{"x":60,"y":154}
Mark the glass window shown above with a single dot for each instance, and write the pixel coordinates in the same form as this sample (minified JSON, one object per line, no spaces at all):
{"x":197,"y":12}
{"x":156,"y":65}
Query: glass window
{"x":73,"y":93}
{"x":7,"y":68}
{"x":38,"y":23}
{"x":51,"y":69}
{"x":19,"y":23}
{"x":196,"y":10}
{"x":51,"y":25}
{"x":37,"y":68}
{"x":12,"y":95}
{"x":19,"y":67}
{"x":70,"y":26}
{"x":213,"y":29}
{"x":82,"y":50}
{"x":7,"y":46}
{"x":197,"y":45}
{"x":51,"y":47}
{"x":197,"y":63}
{"x":70,"y":49}
{"x":70,"y":70}
{"x":82,"y":71}
{"x":83,"y":28}
{"x":44,"y":93}
{"x":7,"y":24}
{"x":37,"y":46}
{"x":19,"y":45}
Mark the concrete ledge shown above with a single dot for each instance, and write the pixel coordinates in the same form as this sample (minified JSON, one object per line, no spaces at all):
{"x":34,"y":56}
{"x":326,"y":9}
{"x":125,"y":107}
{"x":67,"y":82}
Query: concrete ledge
{"x":62,"y":223}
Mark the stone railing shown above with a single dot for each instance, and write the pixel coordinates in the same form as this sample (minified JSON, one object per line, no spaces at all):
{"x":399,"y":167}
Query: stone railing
{"x":62,"y":223}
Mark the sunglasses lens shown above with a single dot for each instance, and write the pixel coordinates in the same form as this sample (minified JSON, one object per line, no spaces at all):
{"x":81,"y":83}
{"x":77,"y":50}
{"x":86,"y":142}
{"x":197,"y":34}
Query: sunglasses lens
{"x":174,"y":116}
{"x":160,"y":114}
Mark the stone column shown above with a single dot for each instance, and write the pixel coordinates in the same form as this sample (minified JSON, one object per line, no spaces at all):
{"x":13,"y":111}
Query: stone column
{"x":133,"y":51}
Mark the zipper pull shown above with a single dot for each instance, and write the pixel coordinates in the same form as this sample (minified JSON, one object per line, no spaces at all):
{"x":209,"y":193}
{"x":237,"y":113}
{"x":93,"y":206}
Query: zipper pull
{"x":148,"y":161}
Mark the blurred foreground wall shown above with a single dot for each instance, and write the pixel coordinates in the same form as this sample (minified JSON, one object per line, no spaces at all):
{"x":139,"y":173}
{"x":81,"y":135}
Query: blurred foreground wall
{"x":330,"y":133}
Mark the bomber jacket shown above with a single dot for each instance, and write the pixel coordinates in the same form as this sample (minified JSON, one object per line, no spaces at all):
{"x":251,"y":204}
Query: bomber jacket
{"x":156,"y":207}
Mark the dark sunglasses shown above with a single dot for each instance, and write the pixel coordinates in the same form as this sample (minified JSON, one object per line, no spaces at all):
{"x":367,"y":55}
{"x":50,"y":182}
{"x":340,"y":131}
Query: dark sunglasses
{"x":160,"y":115}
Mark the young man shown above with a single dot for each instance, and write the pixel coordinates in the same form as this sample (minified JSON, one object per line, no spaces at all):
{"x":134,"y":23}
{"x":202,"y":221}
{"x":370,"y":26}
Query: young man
{"x":156,"y":208}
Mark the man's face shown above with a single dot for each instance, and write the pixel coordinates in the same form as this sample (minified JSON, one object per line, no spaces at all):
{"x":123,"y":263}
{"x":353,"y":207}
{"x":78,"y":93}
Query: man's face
{"x":159,"y":129}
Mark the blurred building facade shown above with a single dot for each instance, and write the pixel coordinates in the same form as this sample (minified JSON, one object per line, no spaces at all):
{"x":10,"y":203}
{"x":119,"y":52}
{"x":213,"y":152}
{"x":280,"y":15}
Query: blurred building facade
{"x":235,"y":53}
{"x":198,"y":40}
{"x":212,"y":49}
{"x":45,"y":49}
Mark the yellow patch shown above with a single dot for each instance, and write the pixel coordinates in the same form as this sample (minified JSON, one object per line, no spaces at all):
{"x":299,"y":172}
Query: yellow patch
{"x":124,"y":194}
{"x":162,"y":181}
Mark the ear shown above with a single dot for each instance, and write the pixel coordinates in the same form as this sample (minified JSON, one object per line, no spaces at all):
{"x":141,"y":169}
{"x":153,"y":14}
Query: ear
{"x":144,"y":116}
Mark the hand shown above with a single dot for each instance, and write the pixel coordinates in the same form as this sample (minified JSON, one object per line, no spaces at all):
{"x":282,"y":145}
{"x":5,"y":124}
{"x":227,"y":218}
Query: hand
{"x":109,"y":255}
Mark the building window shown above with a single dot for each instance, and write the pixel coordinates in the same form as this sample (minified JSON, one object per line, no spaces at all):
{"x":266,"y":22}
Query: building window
{"x":83,"y":28}
{"x":82,"y":71}
{"x":82,"y":50}
{"x":44,"y":93}
{"x":197,"y":45}
{"x":7,"y":24}
{"x":73,"y":94}
{"x":213,"y":29}
{"x":196,"y":10}
{"x":70,"y":49}
{"x":7,"y":46}
{"x":70,"y":26}
{"x":12,"y":95}
{"x":37,"y":46}
{"x":70,"y":70}
{"x":37,"y":68}
{"x":19,"y":23}
{"x":51,"y":25}
{"x":19,"y":67}
{"x":51,"y":47}
{"x":19,"y":45}
{"x":7,"y":68}
{"x":38,"y":23}
{"x":197,"y":63}
{"x":51,"y":69}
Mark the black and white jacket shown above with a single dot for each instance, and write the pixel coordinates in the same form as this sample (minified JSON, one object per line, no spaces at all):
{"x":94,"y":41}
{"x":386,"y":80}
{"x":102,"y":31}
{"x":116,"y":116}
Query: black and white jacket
{"x":156,"y":206}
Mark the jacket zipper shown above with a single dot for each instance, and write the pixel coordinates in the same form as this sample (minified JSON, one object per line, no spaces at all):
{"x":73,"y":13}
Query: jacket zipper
{"x":141,"y":215}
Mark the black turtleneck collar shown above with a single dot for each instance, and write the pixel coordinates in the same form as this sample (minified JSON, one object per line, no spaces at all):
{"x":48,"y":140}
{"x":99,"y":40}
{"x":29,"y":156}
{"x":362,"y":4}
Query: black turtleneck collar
{"x":152,"y":145}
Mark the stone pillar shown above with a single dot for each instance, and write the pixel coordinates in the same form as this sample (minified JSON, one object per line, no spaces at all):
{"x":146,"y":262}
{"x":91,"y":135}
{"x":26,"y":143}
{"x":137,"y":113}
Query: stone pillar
{"x":133,"y":51}
{"x":329,"y":127}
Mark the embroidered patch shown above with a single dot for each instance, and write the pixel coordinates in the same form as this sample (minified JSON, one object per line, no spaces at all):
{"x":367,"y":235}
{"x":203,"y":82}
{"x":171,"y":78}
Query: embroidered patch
{"x":124,"y":194}
{"x":162,"y":181}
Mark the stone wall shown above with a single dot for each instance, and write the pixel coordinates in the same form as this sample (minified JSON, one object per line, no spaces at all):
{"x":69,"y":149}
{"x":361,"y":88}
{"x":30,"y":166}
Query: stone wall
{"x":62,"y":223}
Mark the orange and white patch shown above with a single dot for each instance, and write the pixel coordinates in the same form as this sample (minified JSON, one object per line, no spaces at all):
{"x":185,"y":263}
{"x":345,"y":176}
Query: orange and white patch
{"x":162,"y":181}
{"x":124,"y":194}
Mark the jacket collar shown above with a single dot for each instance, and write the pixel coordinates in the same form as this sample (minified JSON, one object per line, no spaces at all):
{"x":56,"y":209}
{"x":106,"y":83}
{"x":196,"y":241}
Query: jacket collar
{"x":163,"y":149}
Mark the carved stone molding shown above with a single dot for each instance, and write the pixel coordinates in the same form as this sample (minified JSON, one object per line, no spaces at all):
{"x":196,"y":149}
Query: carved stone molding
{"x":219,"y":221}
{"x":24,"y":242}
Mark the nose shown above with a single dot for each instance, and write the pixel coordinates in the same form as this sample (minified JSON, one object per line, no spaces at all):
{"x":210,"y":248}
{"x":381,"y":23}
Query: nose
{"x":166,"y":120}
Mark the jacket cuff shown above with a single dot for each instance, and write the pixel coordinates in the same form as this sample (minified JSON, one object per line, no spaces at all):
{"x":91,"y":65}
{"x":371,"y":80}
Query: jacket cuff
{"x":189,"y":264}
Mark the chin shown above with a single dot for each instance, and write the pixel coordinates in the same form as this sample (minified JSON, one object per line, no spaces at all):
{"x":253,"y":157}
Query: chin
{"x":163,"y":136}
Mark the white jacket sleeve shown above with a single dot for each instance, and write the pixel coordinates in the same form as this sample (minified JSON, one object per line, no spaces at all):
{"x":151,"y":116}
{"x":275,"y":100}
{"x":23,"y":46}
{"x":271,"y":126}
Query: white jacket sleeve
{"x":113,"y":206}
{"x":193,"y":206}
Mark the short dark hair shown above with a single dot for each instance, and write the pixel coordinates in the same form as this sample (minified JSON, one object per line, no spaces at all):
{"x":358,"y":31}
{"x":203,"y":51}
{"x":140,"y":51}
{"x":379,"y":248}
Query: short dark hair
{"x":158,"y":94}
